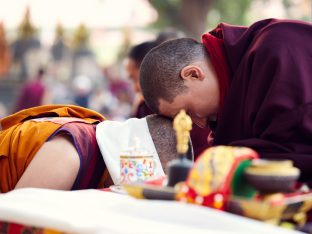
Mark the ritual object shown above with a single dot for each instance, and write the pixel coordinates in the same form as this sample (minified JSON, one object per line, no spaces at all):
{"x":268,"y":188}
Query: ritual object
{"x":136,"y":164}
{"x":271,"y":176}
{"x":216,"y":175}
{"x":232,"y":179}
{"x":179,"y":168}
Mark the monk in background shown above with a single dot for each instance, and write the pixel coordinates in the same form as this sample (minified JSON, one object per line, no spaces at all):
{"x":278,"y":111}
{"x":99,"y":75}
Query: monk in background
{"x":251,"y":85}
{"x":33,"y":92}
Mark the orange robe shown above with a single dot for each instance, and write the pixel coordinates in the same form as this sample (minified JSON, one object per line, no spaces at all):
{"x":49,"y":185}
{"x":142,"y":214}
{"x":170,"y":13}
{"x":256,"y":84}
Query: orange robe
{"x":21,"y":137}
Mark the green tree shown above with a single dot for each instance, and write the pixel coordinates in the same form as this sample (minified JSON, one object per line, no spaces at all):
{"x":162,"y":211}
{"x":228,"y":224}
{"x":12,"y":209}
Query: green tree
{"x":195,"y":16}
{"x":189,"y":16}
{"x":233,"y":12}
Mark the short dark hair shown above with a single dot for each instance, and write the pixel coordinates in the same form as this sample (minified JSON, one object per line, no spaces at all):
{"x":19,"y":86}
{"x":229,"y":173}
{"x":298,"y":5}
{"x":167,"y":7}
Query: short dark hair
{"x":138,"y":51}
{"x":160,"y":69}
{"x":164,"y":138}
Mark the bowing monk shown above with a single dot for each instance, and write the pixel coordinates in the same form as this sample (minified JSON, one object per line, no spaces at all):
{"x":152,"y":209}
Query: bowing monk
{"x":135,"y":57}
{"x":70,"y":147}
{"x":251,"y":85}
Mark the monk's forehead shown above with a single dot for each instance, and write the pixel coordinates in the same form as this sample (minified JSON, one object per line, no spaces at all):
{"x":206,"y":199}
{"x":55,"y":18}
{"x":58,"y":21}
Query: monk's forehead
{"x":171,"y":109}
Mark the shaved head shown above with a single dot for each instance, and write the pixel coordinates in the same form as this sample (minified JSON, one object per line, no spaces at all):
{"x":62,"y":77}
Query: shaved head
{"x":161,"y":67}
{"x":164,"y":138}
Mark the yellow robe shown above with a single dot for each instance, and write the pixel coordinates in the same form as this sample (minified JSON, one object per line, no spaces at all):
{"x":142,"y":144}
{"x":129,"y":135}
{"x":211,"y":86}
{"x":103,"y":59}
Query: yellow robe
{"x":21,"y":138}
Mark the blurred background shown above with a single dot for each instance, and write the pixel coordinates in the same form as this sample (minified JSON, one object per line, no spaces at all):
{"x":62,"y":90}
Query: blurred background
{"x":78,"y":51}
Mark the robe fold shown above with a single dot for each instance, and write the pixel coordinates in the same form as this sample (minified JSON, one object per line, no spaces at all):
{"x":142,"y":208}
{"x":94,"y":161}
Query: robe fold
{"x":24,"y":132}
{"x":268,"y":106}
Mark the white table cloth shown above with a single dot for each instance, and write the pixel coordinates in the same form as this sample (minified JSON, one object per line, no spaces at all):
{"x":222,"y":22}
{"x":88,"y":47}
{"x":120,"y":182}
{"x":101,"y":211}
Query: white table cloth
{"x":95,"y":211}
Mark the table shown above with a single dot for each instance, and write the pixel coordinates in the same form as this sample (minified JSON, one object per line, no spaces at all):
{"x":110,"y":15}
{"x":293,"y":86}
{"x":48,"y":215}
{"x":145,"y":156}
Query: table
{"x":96,"y":211}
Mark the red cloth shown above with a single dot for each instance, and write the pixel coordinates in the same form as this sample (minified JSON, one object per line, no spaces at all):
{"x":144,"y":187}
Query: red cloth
{"x":142,"y":110}
{"x":15,"y":228}
{"x":216,"y":51}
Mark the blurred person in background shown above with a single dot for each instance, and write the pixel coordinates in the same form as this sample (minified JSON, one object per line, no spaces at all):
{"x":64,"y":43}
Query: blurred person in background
{"x":117,"y":95}
{"x":135,"y":57}
{"x":3,"y":110}
{"x":82,"y":86}
{"x":33,"y":92}
{"x":121,"y":90}
{"x":5,"y":54}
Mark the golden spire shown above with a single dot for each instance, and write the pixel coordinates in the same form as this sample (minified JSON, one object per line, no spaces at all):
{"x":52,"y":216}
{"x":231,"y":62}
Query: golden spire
{"x":59,"y":32}
{"x":182,"y":124}
{"x":81,"y":36}
{"x":26,"y":29}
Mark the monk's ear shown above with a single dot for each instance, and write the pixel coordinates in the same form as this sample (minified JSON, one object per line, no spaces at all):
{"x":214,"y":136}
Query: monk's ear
{"x":192,"y":72}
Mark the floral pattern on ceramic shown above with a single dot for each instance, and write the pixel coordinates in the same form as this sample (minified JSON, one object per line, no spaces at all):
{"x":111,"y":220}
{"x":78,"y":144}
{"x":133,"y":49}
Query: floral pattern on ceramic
{"x":136,"y":169}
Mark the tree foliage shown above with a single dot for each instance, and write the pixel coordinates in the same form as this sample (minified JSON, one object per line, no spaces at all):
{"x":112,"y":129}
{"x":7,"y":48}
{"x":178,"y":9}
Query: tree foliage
{"x":192,"y":16}
{"x":233,"y":12}
{"x":197,"y":16}
{"x":189,"y":16}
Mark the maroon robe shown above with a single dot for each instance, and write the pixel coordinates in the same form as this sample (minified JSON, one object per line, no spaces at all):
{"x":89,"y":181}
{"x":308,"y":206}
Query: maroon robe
{"x":142,"y":110}
{"x":31,"y":95}
{"x":269,"y":103}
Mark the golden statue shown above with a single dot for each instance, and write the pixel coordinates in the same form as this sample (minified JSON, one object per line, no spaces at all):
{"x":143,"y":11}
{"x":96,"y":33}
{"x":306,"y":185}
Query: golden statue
{"x":182,"y":124}
{"x":179,"y":168}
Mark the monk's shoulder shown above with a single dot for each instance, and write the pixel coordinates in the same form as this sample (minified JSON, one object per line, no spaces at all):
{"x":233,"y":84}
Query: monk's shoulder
{"x":280,"y":37}
{"x":287,"y":31}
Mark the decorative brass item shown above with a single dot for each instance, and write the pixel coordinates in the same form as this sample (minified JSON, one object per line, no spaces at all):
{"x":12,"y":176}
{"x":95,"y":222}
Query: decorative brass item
{"x":179,"y":168}
{"x":182,"y":124}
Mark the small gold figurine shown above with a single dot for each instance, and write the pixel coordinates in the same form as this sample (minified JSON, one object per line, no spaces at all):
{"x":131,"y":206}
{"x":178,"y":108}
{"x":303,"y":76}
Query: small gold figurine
{"x":182,"y":124}
{"x":179,"y":168}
